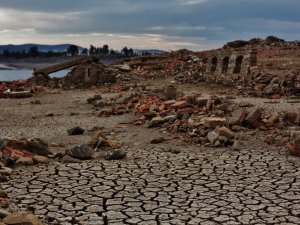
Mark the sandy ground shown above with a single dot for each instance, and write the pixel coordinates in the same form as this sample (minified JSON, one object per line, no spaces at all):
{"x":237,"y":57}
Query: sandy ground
{"x":22,"y":119}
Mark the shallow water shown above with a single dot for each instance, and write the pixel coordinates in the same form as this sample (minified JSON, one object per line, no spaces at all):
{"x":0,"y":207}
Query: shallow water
{"x":10,"y":75}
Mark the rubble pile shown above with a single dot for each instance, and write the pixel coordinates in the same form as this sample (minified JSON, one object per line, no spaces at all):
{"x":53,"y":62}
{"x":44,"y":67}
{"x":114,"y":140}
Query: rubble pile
{"x":214,"y":121}
{"x":14,"y":89}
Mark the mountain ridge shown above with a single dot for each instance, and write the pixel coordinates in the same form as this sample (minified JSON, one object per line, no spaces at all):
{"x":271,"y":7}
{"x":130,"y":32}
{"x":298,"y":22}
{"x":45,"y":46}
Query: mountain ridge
{"x":41,"y":47}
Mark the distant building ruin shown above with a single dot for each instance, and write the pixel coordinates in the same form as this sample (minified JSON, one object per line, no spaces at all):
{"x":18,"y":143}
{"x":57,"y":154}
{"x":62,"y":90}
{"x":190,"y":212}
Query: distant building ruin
{"x":228,"y":64}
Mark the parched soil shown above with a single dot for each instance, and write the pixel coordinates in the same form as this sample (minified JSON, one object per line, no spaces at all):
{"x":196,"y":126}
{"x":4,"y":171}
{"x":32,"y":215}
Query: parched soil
{"x":257,"y":184}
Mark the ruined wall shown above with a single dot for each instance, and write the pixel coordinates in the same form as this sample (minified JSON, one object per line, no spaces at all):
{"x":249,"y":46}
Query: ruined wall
{"x":229,"y":66}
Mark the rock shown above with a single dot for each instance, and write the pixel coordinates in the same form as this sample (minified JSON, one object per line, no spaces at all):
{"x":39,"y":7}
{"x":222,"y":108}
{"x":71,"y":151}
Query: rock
{"x":273,"y":119}
{"x":201,"y":102}
{"x":269,"y":90}
{"x":69,"y":159}
{"x":81,"y":152}
{"x":179,"y":104}
{"x":6,"y":171}
{"x":41,"y":159}
{"x":37,"y":146}
{"x":16,"y":144}
{"x":293,"y":149}
{"x":170,"y":92}
{"x":209,"y":104}
{"x":113,"y":144}
{"x":174,"y":151}
{"x":3,"y":214}
{"x":116,"y":154}
{"x":213,"y":122}
{"x":212,"y":136}
{"x":297,"y":143}
{"x":253,"y":117}
{"x":157,"y":140}
{"x":25,"y":161}
{"x":237,"y":117}
{"x":295,"y":133}
{"x":49,"y":115}
{"x":236,"y":145}
{"x":156,"y":121}
{"x":75,"y":131}
{"x":3,"y":194}
{"x":22,"y":218}
{"x":245,"y":104}
{"x":290,"y":117}
{"x":101,"y":142}
{"x":224,"y":131}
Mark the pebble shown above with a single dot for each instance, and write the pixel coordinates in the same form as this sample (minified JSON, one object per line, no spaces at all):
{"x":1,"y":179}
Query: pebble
{"x":75,"y":131}
{"x":41,"y":159}
{"x":25,"y":161}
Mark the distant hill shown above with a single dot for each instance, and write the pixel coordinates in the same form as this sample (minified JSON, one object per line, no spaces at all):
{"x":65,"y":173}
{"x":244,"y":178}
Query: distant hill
{"x":148,"y":51}
{"x":41,"y":48}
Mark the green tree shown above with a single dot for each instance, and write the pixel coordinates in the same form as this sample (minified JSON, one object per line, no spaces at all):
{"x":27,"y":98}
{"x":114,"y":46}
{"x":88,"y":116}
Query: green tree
{"x":73,"y":50}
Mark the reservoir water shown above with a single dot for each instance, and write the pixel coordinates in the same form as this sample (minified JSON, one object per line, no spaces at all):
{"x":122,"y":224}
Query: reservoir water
{"x":10,"y":75}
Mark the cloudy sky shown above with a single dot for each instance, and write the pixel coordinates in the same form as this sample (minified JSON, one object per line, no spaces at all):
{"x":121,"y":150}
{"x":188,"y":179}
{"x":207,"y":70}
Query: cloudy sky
{"x":148,"y":24}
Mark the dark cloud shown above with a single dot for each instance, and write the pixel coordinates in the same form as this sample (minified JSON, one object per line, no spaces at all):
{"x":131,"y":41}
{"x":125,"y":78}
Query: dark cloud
{"x":216,"y":20}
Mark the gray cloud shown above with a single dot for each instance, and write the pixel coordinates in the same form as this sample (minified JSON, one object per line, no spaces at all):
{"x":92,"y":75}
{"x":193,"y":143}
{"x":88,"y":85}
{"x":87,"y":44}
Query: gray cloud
{"x":184,"y":23}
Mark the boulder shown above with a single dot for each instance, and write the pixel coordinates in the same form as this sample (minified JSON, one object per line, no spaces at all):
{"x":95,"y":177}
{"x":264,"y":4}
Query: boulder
{"x":253,"y":117}
{"x":116,"y":154}
{"x":22,"y":218}
{"x":237,"y":117}
{"x":38,"y":146}
{"x":81,"y":152}
{"x":75,"y":131}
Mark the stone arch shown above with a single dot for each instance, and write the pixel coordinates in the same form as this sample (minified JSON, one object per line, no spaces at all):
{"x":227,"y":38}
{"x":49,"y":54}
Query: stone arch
{"x":238,"y":64}
{"x":225,"y":64}
{"x":214,"y":63}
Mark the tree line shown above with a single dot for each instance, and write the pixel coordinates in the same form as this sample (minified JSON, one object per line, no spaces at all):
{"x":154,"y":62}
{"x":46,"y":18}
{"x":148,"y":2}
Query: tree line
{"x":72,"y":50}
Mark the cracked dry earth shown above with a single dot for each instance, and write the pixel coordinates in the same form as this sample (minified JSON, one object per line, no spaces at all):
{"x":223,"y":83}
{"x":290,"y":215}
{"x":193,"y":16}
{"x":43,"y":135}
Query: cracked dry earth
{"x":251,"y":186}
{"x":258,"y":184}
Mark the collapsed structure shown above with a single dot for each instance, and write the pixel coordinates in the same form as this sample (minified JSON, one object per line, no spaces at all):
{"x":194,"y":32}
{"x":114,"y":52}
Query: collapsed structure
{"x":86,"y":71}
